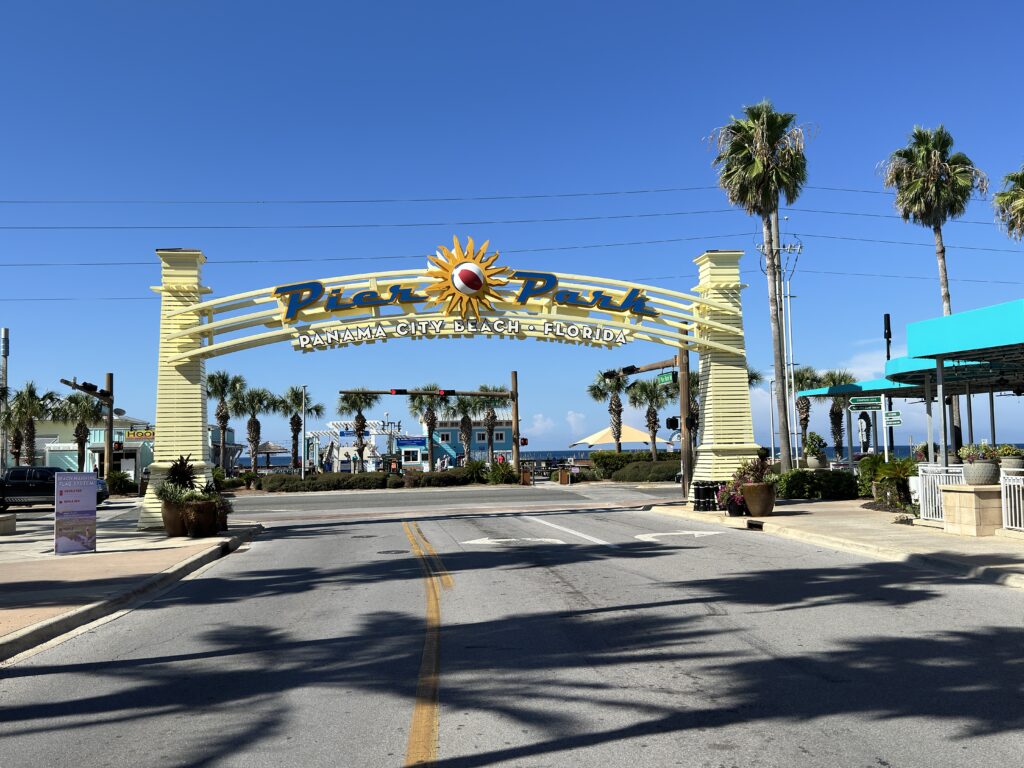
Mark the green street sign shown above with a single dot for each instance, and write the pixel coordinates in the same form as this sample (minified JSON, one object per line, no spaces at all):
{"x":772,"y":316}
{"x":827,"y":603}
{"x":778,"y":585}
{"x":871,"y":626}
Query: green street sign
{"x":867,"y":400}
{"x":669,"y":377}
{"x":893,"y":414}
{"x":865,"y":406}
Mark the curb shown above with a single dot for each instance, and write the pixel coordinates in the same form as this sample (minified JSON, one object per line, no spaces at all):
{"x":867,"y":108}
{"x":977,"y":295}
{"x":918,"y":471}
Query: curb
{"x":25,"y":639}
{"x":922,"y":560}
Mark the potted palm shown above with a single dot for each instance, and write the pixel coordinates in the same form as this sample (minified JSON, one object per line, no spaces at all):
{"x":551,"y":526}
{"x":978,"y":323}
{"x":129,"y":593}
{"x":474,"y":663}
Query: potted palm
{"x":1010,"y":456}
{"x":179,"y":481}
{"x":757,"y":486}
{"x":814,"y":450}
{"x":980,"y":467}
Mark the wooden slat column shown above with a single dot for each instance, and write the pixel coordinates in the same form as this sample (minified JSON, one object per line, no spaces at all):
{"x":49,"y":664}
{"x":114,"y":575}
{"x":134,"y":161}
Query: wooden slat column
{"x":726,"y":426}
{"x":181,"y":420}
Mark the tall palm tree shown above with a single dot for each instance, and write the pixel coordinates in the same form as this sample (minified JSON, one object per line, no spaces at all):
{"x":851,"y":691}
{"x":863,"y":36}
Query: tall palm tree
{"x":760,"y":159}
{"x":839,"y":403}
{"x":30,"y":405}
{"x":933,"y":185}
{"x":653,"y":396}
{"x":464,"y":408}
{"x":9,"y":426}
{"x":487,"y":406}
{"x":291,"y":405}
{"x":80,"y":410}
{"x":611,"y":389}
{"x":425,"y":408}
{"x":221,"y":385}
{"x":804,"y":377}
{"x":252,"y":402}
{"x":1009,"y":204}
{"x":353,"y":404}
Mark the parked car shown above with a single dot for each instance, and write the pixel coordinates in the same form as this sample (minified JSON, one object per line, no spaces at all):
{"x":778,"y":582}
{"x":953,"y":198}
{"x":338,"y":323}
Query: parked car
{"x":30,"y":486}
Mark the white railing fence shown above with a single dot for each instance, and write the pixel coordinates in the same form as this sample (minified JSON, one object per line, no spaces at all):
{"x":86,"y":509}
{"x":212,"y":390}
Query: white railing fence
{"x":932,"y":476}
{"x":1012,"y":482}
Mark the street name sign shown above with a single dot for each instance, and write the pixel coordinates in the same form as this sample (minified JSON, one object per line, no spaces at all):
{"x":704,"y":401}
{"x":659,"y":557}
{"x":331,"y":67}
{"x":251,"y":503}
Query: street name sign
{"x":893,"y":418}
{"x":669,"y":377}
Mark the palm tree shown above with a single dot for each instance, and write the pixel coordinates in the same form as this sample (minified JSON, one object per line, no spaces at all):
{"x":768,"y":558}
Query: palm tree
{"x":464,"y":408}
{"x":425,"y":408}
{"x":933,"y":186}
{"x":611,"y":389}
{"x":28,"y":406}
{"x":291,"y":404}
{"x":9,"y":426}
{"x":804,"y":377}
{"x":487,"y":406}
{"x":837,"y":410}
{"x":760,"y":158}
{"x":221,"y":385}
{"x":80,"y":410}
{"x":353,"y":403}
{"x":1009,"y":204}
{"x":653,"y":396}
{"x":252,"y":403}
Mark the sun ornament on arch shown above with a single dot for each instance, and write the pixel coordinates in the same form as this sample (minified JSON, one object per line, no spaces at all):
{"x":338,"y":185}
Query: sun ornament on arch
{"x":466,"y":279}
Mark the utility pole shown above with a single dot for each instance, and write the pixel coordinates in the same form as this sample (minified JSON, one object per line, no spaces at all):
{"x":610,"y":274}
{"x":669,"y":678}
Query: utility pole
{"x":888,"y":355}
{"x":514,"y":392}
{"x":5,"y":349}
{"x":685,"y":440}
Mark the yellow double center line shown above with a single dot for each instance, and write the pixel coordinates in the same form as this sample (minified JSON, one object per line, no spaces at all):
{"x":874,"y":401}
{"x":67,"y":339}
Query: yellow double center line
{"x":422,"y":746}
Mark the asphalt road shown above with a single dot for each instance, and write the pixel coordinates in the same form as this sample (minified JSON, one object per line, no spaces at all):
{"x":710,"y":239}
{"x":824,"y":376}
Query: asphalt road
{"x":558,"y":637}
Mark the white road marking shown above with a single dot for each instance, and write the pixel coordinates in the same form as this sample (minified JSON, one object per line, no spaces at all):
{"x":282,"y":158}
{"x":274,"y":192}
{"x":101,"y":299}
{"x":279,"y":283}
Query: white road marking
{"x":511,"y":541}
{"x":695,"y":534}
{"x":572,"y":532}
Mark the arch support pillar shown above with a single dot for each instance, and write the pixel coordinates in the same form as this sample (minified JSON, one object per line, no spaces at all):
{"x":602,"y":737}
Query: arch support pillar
{"x":726,"y":426}
{"x":181,"y":419}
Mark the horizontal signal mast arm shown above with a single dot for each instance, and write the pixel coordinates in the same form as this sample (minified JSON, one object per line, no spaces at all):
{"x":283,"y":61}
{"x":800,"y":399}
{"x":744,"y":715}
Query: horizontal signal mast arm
{"x":426,"y":392}
{"x":629,"y":370}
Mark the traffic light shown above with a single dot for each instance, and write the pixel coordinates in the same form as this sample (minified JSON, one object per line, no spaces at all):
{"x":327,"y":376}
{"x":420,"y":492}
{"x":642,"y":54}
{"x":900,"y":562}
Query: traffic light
{"x":672,"y":422}
{"x":399,"y":391}
{"x":86,"y":386}
{"x":443,"y":392}
{"x":628,"y":370}
{"x":524,"y":441}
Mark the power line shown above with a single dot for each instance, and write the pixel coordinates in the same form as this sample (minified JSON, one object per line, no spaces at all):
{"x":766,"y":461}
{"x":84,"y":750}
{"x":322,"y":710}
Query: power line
{"x":908,"y":242}
{"x":880,"y":215}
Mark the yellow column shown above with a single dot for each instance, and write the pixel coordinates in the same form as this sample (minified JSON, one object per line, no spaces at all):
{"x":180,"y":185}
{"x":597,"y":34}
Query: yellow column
{"x":726,"y":426}
{"x":180,"y":388}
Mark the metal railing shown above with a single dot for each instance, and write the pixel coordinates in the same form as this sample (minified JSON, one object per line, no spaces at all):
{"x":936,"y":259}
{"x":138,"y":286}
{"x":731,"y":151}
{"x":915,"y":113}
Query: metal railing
{"x":1012,"y":482}
{"x":932,"y":476}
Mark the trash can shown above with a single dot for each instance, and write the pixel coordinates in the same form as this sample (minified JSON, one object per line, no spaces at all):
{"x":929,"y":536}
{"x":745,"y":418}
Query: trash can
{"x":526,"y":477}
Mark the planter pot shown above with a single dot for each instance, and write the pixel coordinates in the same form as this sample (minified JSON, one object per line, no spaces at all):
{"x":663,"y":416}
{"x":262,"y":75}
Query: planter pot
{"x":813,"y":462}
{"x":981,"y":473}
{"x":952,"y":458}
{"x":200,"y":518}
{"x":734,"y":509}
{"x":760,"y":498}
{"x":174,"y":523}
{"x":1012,"y":462}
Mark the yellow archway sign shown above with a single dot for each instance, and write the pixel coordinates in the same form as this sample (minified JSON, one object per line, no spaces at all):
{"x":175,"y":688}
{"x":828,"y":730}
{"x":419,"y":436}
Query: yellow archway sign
{"x":463,"y":291}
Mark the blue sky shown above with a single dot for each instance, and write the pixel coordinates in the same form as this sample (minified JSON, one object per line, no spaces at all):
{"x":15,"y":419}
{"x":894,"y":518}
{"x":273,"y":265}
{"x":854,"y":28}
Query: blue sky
{"x":198,"y":101}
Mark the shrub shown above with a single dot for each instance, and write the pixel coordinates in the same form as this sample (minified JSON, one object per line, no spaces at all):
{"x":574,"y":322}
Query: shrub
{"x":867,"y":472}
{"x":413,"y":479}
{"x":249,"y":478}
{"x":366,"y":481}
{"x":502,"y":474}
{"x":647,"y":471}
{"x":182,"y":472}
{"x":445,"y":479}
{"x":282,"y":483}
{"x":815,"y":446}
{"x":119,"y":483}
{"x":817,"y":484}
{"x":395,"y":481}
{"x":476,"y":471}
{"x":218,"y":478}
{"x":231,"y":483}
{"x":608,"y":463}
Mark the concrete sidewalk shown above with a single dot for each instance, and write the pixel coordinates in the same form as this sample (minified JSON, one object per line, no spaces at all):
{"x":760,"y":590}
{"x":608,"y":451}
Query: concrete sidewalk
{"x":43,"y":596}
{"x":848,"y":526}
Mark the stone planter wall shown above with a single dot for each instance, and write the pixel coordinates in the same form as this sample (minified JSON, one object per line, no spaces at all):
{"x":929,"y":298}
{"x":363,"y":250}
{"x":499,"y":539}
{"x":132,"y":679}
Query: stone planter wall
{"x":971,"y":510}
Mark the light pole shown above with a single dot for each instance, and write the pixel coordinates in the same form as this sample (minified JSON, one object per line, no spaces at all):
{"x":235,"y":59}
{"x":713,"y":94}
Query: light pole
{"x":302,"y":464}
{"x":5,"y":349}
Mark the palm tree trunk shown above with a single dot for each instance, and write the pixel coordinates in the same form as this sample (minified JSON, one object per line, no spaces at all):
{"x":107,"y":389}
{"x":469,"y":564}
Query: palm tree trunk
{"x":835,"y":416}
{"x":254,"y":442}
{"x":17,"y":440}
{"x":772,"y":268}
{"x":81,"y":437}
{"x":615,"y":411}
{"x":947,"y":309}
{"x":30,"y":442}
{"x":223,"y":416}
{"x":296,"y":425}
{"x":430,"y":448}
{"x":652,"y":430}
{"x":490,"y":446}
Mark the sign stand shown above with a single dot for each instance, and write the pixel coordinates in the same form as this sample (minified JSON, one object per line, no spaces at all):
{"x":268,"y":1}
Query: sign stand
{"x":74,"y":518}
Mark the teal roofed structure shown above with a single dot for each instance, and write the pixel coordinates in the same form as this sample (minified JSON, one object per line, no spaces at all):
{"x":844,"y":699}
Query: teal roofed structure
{"x":993,"y":335}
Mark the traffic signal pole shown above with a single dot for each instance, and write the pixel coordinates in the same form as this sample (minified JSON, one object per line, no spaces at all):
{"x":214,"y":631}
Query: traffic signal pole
{"x":108,"y":443}
{"x":514,"y":392}
{"x":685,"y":442}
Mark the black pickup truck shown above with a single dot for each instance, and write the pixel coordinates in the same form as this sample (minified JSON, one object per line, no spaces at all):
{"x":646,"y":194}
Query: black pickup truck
{"x":28,"y":486}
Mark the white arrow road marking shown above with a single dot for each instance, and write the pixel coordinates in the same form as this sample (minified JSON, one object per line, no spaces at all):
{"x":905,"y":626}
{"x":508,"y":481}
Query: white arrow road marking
{"x":572,"y":532}
{"x":512,"y":541}
{"x":696,"y":534}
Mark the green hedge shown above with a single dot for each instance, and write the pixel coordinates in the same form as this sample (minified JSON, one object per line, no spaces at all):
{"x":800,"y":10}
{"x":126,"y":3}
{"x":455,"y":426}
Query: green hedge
{"x":330,"y":481}
{"x":647,"y":471}
{"x":817,"y":484}
{"x":119,"y":484}
{"x":607,"y":463}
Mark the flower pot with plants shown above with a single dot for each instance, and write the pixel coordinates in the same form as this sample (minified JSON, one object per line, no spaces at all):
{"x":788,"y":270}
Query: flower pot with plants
{"x":731,"y":500}
{"x":980,"y":466}
{"x":201,"y":513}
{"x":757,"y":484}
{"x":920,"y":452}
{"x":1010,"y":456}
{"x":172,"y":492}
{"x":814,"y":450}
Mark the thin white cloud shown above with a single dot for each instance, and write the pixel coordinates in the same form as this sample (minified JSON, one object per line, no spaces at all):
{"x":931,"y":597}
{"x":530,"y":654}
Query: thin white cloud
{"x":575,"y":420}
{"x":540,"y":425}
